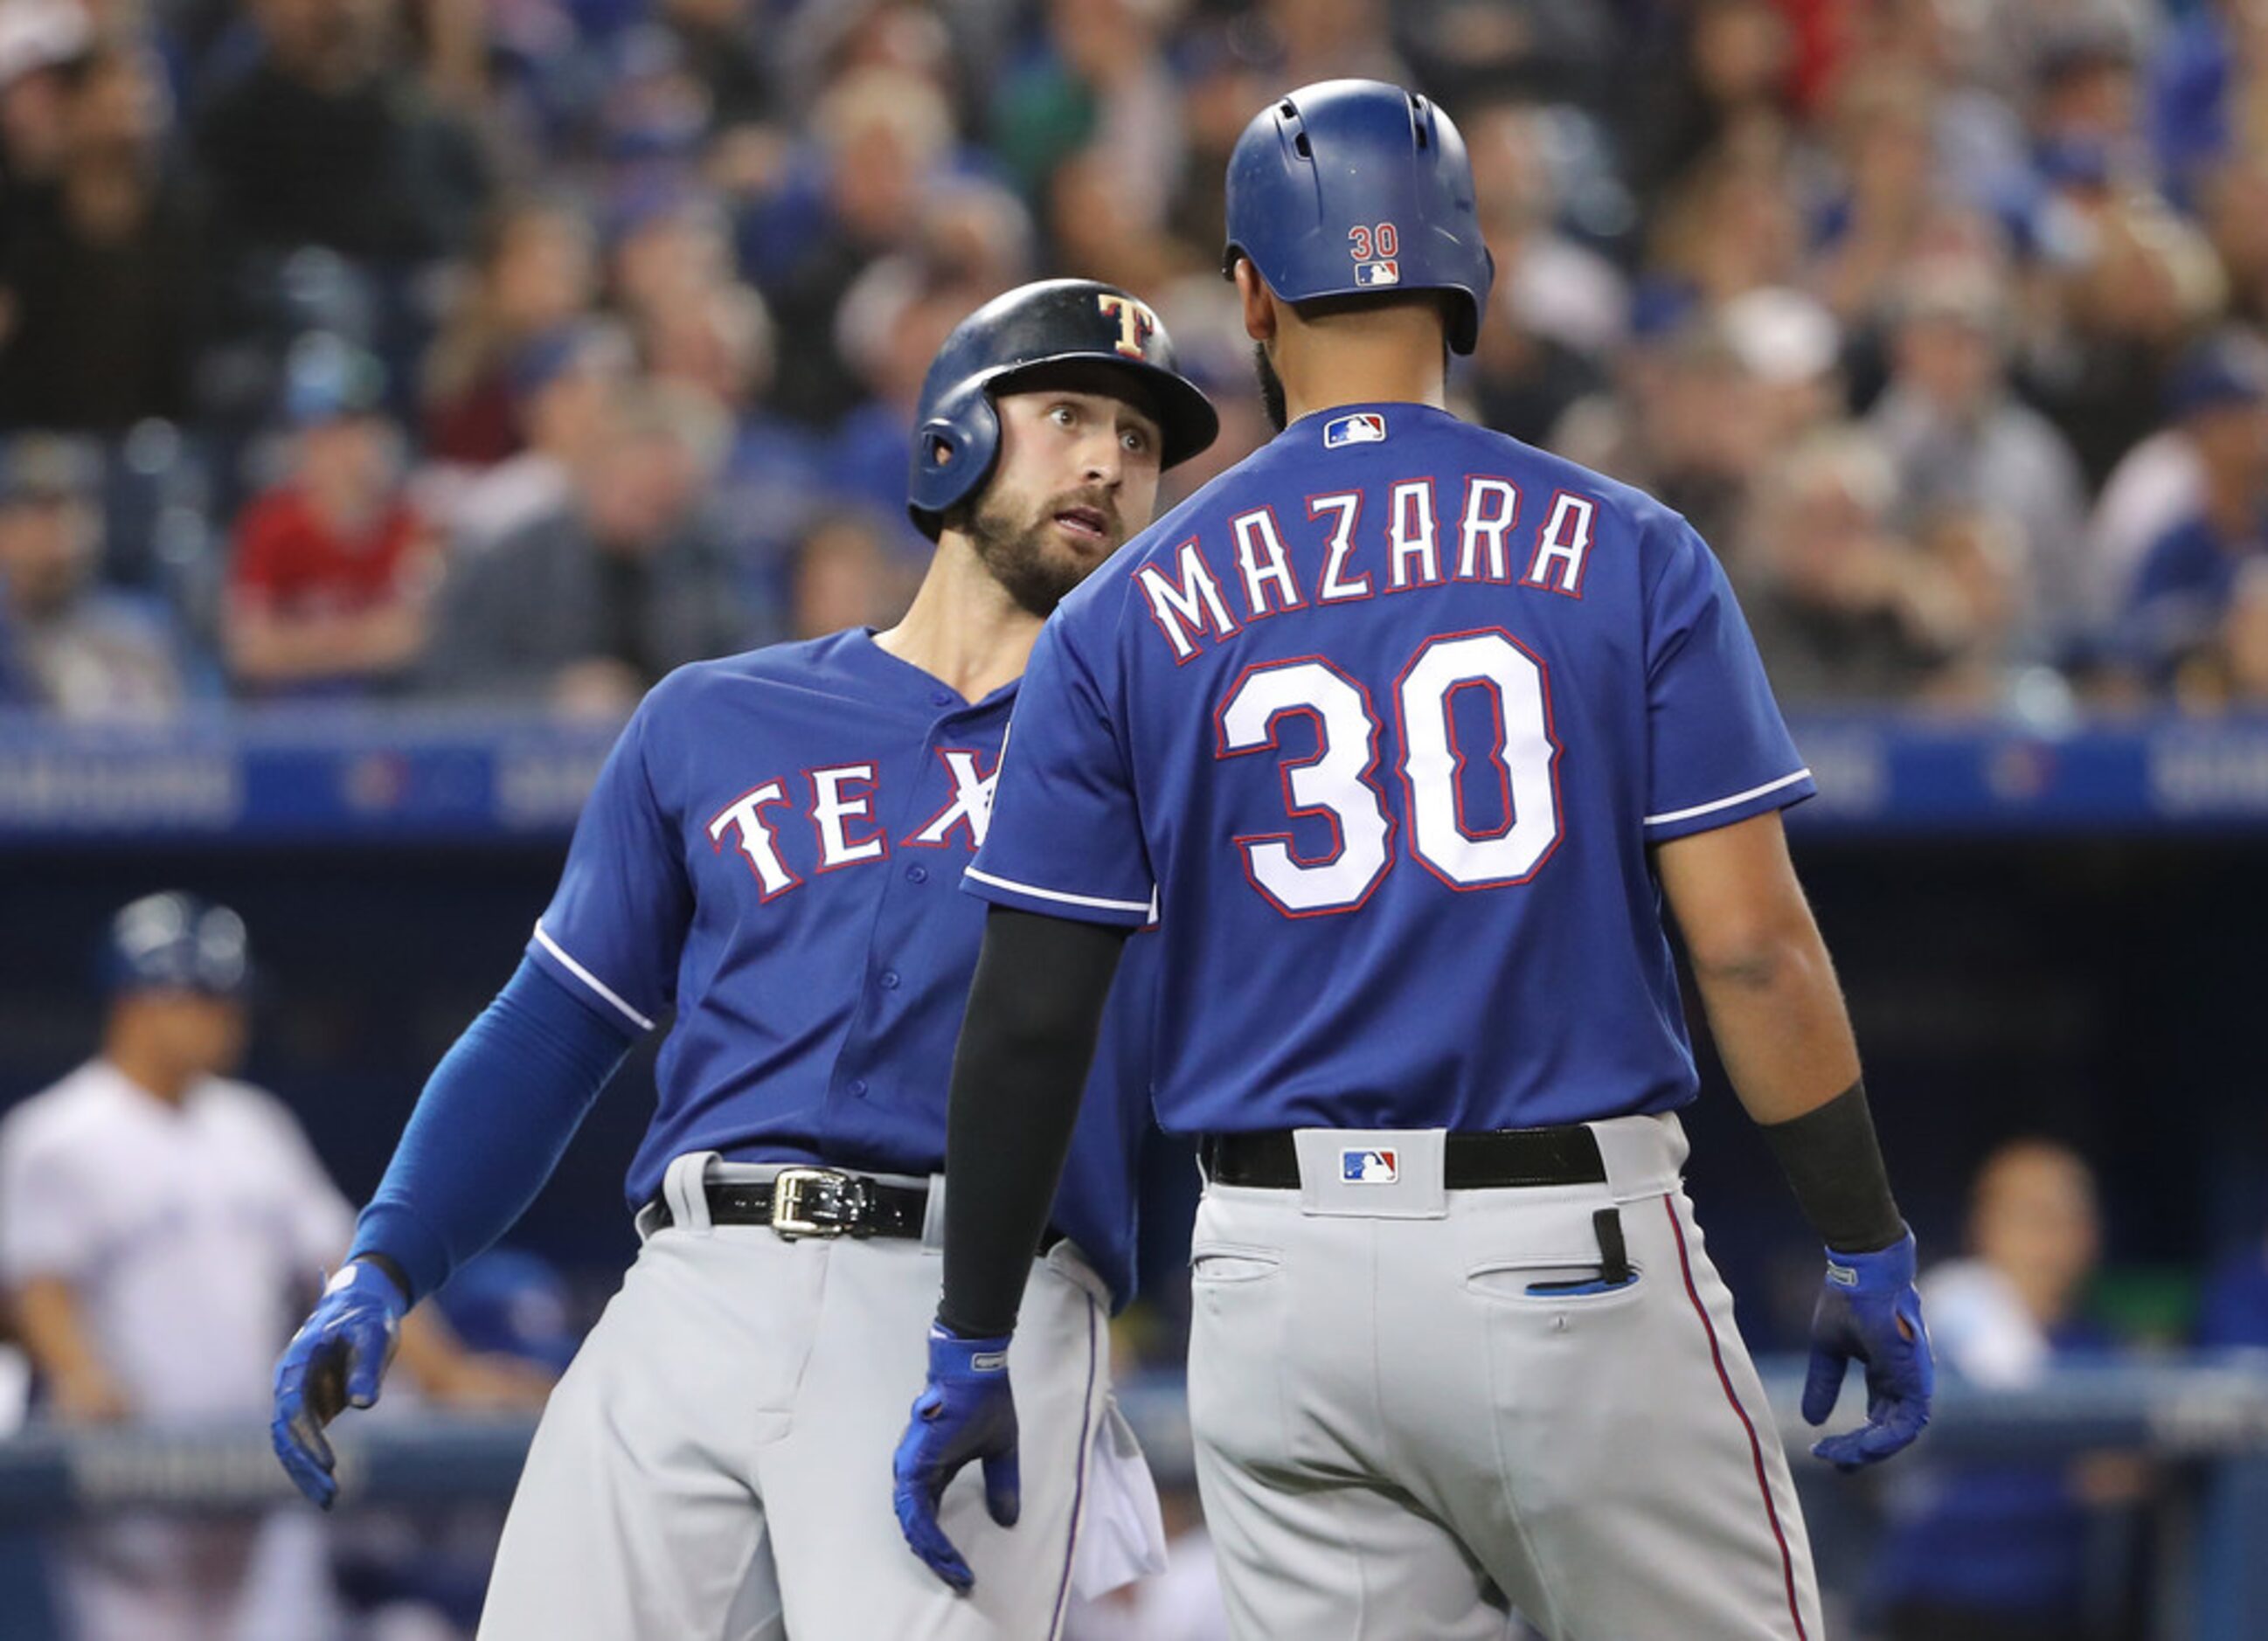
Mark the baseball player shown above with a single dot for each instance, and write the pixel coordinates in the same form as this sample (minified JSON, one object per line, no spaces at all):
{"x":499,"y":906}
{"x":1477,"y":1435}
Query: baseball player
{"x":772,"y":851}
{"x":158,"y":1219}
{"x":1408,"y":729}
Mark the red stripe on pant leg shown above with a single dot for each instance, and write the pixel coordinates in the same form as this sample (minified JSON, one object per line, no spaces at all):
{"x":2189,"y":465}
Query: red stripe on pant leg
{"x":1756,"y":1448}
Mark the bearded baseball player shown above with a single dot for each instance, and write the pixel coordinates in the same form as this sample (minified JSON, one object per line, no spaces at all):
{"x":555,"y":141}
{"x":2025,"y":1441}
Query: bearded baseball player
{"x":772,"y":851}
{"x":1408,"y":731}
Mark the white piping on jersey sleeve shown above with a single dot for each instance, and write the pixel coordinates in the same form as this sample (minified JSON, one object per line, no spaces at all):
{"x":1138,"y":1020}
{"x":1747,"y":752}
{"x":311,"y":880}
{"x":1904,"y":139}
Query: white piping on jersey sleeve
{"x":543,"y":938}
{"x":1147,"y":907}
{"x":1726,"y":803}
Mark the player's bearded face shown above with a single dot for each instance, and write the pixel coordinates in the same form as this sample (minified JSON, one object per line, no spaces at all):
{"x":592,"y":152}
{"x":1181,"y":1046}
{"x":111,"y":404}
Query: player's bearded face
{"x":1019,"y":540}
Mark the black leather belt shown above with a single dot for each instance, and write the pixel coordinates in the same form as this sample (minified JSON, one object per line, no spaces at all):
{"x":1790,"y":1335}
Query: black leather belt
{"x":1494,"y":1160}
{"x":800,"y":1202}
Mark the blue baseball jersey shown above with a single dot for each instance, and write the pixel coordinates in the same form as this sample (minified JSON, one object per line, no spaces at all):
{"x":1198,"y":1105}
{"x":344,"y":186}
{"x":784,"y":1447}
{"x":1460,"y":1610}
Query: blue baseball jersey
{"x":1384,"y":719}
{"x":772,"y":851}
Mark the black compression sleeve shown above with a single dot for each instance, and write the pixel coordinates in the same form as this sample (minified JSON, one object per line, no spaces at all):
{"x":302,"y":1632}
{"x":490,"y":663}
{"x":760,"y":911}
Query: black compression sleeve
{"x":1026,"y":1042}
{"x":1834,"y":1165}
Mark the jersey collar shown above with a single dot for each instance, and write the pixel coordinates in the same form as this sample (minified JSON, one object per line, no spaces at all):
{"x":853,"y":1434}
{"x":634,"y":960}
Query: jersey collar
{"x":911,"y":684}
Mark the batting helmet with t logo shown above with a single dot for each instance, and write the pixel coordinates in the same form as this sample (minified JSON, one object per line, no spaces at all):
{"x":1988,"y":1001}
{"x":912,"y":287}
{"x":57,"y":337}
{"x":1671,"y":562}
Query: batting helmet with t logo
{"x":1032,"y":327}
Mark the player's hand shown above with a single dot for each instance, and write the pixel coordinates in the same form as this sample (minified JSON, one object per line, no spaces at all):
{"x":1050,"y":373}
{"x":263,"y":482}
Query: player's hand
{"x":965,"y":1412}
{"x":334,"y":1363}
{"x":1869,"y":1311}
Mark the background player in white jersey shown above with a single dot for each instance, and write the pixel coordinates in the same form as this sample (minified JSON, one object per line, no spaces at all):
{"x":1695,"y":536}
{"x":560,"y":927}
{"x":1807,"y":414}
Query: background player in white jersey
{"x":160,"y":1224}
{"x":772,"y":851}
{"x":1408,"y":731}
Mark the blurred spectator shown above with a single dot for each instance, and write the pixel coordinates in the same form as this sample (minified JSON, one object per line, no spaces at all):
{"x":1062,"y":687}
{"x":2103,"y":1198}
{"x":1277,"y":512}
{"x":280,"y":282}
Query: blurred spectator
{"x":2160,"y":482}
{"x":1884,"y":140}
{"x":718,"y":41}
{"x":2181,"y":593}
{"x":563,"y":385}
{"x":1721,"y":67}
{"x":326,"y":141}
{"x":2125,"y":297}
{"x":161,"y":1224}
{"x":2002,"y":1552}
{"x":1098,"y":88}
{"x":1843,"y":608}
{"x":1978,"y":556}
{"x":1790,"y":348}
{"x":1957,"y":436}
{"x":717,"y":342}
{"x":1686,"y":423}
{"x":537,"y":270}
{"x":2086,"y":104}
{"x":40,"y":42}
{"x":2236,"y":215}
{"x":2231,"y":673}
{"x":891,"y":325}
{"x":333,"y":570}
{"x":100,"y":276}
{"x":668,"y":245}
{"x":883,"y":137}
{"x":1226,"y":76}
{"x":587,"y":609}
{"x":844,"y":576}
{"x":1559,"y":309}
{"x":1731,"y":225}
{"x":67,"y":644}
{"x":2206,"y":86}
{"x":1331,"y":39}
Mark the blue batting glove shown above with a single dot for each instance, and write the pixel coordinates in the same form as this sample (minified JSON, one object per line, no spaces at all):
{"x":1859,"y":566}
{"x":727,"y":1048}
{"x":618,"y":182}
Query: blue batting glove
{"x":334,"y":1363}
{"x":965,"y":1412}
{"x":1869,"y":1311}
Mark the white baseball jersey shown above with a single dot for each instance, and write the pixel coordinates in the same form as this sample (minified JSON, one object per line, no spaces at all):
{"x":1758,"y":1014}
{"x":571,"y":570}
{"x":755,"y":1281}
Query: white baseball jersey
{"x":188,"y":1233}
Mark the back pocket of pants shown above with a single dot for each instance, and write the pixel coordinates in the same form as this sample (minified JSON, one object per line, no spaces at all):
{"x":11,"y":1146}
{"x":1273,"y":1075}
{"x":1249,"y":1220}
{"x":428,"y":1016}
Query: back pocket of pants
{"x":1550,"y":1282}
{"x":1226,"y":1263}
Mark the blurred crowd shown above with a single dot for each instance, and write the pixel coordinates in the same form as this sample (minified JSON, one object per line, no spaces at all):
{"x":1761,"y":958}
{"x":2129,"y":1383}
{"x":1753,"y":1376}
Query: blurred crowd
{"x":521,"y":349}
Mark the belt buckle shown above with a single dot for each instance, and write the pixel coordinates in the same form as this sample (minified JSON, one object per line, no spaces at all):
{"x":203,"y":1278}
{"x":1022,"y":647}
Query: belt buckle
{"x":818,"y":1201}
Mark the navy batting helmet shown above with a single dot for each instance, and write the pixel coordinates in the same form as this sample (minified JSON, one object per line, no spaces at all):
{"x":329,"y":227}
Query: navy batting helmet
{"x":175,"y":942}
{"x":1055,"y":321}
{"x":1356,"y":187}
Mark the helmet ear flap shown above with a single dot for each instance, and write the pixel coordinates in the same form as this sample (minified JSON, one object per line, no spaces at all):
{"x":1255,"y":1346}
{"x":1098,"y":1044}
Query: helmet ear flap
{"x":956,"y":449}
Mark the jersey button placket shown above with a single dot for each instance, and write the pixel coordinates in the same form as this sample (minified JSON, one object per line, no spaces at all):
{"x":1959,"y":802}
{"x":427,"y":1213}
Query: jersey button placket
{"x":917,"y":875}
{"x":887,"y":979}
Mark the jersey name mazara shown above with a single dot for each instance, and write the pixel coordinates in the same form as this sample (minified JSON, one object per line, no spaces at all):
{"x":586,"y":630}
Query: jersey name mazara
{"x":1485,"y":540}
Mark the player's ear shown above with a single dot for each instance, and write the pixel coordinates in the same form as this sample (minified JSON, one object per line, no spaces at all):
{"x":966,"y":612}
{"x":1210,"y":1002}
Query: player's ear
{"x":1258,"y":300}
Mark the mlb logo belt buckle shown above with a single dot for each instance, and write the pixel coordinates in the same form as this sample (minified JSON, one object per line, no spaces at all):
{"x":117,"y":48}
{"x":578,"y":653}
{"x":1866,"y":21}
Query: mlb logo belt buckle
{"x":820,"y":1202}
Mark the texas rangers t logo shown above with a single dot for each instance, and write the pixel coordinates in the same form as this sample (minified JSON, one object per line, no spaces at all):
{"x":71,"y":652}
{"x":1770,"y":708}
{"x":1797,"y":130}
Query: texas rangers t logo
{"x":1135,"y":321}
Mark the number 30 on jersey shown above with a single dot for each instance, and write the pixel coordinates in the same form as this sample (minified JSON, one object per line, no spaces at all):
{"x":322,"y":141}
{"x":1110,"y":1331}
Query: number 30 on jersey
{"x":1340,"y":783}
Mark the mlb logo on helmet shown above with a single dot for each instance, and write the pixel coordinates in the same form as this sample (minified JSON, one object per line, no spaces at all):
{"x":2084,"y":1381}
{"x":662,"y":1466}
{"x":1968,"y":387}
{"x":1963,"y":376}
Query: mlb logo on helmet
{"x":1360,"y":1166}
{"x":1365,"y":427}
{"x":1377,"y":274}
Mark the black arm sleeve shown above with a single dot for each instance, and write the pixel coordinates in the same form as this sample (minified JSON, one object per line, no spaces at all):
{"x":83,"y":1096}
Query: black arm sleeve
{"x":1834,"y":1165}
{"x":1026,"y":1042}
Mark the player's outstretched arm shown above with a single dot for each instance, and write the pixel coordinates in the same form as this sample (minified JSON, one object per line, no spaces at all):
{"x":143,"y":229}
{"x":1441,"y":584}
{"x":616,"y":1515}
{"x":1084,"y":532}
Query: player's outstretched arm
{"x":1026,"y":1042}
{"x":488,"y":1130}
{"x":1781,"y":1026}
